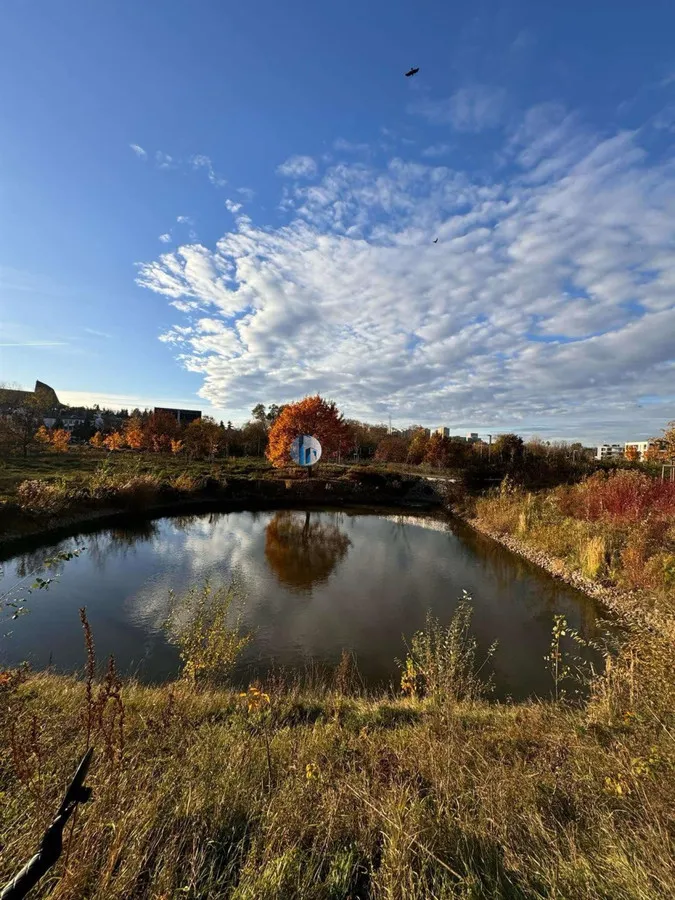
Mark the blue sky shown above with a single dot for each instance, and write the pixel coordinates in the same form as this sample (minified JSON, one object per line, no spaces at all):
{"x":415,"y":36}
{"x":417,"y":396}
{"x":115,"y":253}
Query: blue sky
{"x":217,"y":204}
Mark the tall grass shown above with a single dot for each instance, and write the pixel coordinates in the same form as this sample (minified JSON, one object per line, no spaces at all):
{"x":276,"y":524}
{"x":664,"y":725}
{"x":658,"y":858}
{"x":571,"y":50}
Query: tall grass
{"x":617,"y":528}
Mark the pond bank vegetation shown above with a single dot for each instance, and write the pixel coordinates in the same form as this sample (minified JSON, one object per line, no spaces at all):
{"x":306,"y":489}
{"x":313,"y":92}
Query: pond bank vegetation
{"x":313,"y":788}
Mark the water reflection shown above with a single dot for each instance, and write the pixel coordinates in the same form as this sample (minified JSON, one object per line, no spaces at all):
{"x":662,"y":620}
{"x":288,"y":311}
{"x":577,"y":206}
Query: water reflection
{"x":366,"y":582}
{"x":302,"y":552}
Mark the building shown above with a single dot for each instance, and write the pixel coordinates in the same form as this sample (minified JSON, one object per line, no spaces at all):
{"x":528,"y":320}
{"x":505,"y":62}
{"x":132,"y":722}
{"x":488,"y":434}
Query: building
{"x":444,"y":432}
{"x":607,"y":451}
{"x":640,"y":446}
{"x":43,"y":396}
{"x":472,"y":437}
{"x":183,"y":416}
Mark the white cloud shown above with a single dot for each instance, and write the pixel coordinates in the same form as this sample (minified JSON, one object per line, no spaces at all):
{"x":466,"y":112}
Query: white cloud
{"x":437,"y":150}
{"x":163,"y":160}
{"x":232,"y":206}
{"x":204,"y":162}
{"x":298,"y":167}
{"x":247,"y":193}
{"x":139,"y":151}
{"x":470,"y":109}
{"x":185,"y":220}
{"x":349,"y":146}
{"x":165,"y":238}
{"x":548,"y":303}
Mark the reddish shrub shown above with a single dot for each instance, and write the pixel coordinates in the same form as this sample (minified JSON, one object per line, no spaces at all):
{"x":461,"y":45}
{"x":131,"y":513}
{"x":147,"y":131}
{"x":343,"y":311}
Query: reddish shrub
{"x":624,"y":496}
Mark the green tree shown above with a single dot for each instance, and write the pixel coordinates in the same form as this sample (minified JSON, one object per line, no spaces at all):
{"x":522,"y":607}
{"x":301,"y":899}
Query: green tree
{"x":509,"y":446}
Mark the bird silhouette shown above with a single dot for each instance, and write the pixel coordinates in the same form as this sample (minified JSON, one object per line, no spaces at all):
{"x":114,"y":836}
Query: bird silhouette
{"x":436,"y":241}
{"x":412,"y":71}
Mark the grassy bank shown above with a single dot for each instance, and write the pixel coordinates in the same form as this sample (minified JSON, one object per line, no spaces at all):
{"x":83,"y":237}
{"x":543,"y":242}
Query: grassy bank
{"x":616,"y":529}
{"x":82,"y":468}
{"x":54,"y":491}
{"x":318,"y":791}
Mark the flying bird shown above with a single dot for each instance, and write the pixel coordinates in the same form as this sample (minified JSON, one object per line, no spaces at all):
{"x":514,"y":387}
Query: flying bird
{"x":436,"y":241}
{"x":412,"y":71}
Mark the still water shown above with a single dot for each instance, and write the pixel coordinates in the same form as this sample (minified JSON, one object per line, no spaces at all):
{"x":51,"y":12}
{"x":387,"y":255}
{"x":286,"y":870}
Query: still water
{"x":311,"y":584}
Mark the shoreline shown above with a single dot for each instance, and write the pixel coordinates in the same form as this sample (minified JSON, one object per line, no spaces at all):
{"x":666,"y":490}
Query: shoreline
{"x":629,"y":607}
{"x":397,"y":492}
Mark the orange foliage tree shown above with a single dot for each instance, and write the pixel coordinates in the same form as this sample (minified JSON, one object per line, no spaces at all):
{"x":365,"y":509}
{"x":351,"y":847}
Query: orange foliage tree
{"x":631,"y":453}
{"x":392,"y":448}
{"x":313,"y":416}
{"x":56,"y":438}
{"x":134,"y":436}
{"x":97,"y":441}
{"x":60,"y":440}
{"x":114,"y":441}
{"x":42,"y":435}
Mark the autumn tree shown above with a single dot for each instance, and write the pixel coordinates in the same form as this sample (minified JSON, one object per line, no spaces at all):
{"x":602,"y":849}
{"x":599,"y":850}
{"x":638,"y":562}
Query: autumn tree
{"x":57,"y":439}
{"x":392,"y":448}
{"x":632,"y":453}
{"x":418,"y":446}
{"x":313,"y":416}
{"x":97,"y":441}
{"x":114,"y":441}
{"x":134,"y":434}
{"x":364,"y":438}
{"x":436,"y":453}
{"x":160,"y":429}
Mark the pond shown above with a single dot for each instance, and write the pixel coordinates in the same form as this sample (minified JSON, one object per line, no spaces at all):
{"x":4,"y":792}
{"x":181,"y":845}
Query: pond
{"x":309,"y":583}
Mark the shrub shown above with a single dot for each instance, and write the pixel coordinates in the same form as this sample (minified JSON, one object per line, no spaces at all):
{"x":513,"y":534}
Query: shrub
{"x":441,"y":663}
{"x":139,"y":491}
{"x":625,"y":496}
{"x":41,"y":496}
{"x":185,"y":483}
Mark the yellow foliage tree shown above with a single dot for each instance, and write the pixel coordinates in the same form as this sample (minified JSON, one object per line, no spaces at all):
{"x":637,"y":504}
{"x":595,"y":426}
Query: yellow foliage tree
{"x":97,"y":441}
{"x":176,"y":446}
{"x":42,"y":435}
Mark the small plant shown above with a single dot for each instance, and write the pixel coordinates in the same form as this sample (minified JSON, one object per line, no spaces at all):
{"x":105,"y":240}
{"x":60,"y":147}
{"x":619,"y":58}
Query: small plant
{"x":201,"y":626}
{"x":556,"y":657}
{"x":441,"y":663}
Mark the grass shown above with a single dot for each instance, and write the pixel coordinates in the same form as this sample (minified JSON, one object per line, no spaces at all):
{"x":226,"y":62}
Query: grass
{"x":321,"y":791}
{"x":617,"y":528}
{"x":76,"y":468}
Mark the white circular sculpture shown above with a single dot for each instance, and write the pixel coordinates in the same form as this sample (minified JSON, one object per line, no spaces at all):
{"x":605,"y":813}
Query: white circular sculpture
{"x":305,"y":450}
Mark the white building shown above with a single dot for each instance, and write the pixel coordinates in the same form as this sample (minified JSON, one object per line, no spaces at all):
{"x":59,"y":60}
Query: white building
{"x":444,"y":432}
{"x":605,"y":451}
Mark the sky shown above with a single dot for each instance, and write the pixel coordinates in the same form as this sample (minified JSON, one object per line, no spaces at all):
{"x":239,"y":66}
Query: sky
{"x":213,"y":204}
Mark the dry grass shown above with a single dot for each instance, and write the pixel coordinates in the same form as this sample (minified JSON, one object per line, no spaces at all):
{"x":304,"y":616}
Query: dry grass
{"x":320,"y":793}
{"x":617,"y":528}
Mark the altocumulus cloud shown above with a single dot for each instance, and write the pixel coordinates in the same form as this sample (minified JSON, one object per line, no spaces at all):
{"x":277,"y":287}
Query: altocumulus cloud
{"x":548,"y":300}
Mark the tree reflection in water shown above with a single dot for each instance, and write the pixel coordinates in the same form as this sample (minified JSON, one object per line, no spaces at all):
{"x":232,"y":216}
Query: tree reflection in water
{"x":302,"y":553}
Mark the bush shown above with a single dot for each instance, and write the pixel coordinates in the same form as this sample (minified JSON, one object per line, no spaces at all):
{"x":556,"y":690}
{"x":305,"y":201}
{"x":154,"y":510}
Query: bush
{"x":41,"y":496}
{"x":139,"y":491}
